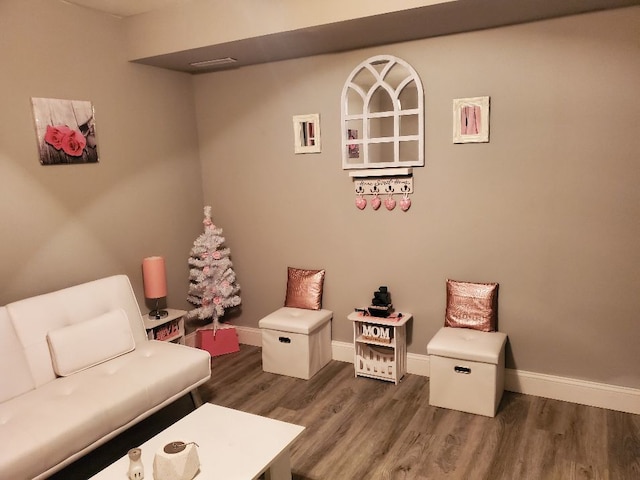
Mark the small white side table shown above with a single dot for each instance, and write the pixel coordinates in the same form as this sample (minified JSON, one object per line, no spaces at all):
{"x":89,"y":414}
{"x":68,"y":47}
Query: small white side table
{"x":168,"y":329}
{"x":380,"y":346}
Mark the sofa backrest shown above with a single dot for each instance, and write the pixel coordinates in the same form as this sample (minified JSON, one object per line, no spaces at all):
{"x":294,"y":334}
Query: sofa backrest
{"x":34,"y":317}
{"x":16,"y":375}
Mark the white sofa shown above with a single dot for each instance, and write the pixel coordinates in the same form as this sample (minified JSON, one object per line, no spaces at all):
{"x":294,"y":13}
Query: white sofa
{"x":78,"y":369}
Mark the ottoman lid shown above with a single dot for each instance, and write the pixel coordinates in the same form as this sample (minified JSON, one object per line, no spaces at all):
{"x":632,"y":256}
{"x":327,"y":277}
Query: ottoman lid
{"x":296,"y":320}
{"x":467,"y":344}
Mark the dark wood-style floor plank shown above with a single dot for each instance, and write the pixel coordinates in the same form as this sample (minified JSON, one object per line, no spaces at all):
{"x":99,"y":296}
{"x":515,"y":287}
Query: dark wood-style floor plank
{"x":358,"y":428}
{"x":365,"y":429}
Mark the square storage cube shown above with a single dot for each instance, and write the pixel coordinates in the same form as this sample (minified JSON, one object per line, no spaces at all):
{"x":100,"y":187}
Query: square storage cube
{"x":296,"y":342}
{"x":467,"y":370}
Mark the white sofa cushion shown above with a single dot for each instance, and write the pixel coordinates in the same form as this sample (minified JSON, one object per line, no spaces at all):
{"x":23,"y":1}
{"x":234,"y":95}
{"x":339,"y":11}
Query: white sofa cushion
{"x":16,"y":376}
{"x":85,"y":344}
{"x":66,"y":418}
{"x":34,"y":317}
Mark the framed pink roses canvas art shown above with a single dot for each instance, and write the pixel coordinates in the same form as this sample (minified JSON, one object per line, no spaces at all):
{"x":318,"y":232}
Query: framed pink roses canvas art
{"x":65,"y":130}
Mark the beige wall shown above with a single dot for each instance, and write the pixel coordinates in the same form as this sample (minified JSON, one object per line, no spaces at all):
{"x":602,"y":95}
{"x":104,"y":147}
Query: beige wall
{"x":549,"y":208}
{"x":66,"y":224}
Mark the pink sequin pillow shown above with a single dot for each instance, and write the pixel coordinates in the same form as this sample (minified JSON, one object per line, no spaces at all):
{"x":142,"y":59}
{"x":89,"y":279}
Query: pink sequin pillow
{"x":304,"y":288}
{"x":472,"y":305}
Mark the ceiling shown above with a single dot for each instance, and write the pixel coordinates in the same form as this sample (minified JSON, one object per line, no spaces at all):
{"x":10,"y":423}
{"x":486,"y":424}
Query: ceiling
{"x":384,"y":29}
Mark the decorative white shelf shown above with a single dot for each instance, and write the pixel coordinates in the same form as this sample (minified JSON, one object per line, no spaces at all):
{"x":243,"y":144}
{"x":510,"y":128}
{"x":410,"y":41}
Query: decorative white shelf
{"x":383,"y":185}
{"x":384,"y":358}
{"x":168,"y":329}
{"x":381,"y":172}
{"x":382,"y":116}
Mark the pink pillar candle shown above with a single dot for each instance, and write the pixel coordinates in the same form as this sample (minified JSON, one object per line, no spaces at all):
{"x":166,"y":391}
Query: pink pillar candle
{"x":155,"y":277}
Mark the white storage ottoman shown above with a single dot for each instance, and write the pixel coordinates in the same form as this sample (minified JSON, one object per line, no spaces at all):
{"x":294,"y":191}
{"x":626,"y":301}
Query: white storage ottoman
{"x":467,"y":370}
{"x":296,"y":342}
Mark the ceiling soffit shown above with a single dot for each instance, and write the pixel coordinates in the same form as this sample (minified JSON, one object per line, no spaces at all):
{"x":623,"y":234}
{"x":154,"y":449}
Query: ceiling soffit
{"x":424,"y":22}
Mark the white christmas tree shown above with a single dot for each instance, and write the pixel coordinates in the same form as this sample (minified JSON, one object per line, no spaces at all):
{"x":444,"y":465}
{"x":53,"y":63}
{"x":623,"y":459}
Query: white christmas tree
{"x":213,"y":286}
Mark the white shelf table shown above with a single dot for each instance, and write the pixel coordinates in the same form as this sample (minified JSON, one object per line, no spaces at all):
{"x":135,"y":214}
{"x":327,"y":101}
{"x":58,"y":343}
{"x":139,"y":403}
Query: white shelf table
{"x":174,"y":322}
{"x":380,"y":346}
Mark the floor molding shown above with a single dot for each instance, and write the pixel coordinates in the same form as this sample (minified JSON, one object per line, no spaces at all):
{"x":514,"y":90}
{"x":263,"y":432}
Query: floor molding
{"x":190,"y":339}
{"x":582,"y":392}
{"x":249,"y":336}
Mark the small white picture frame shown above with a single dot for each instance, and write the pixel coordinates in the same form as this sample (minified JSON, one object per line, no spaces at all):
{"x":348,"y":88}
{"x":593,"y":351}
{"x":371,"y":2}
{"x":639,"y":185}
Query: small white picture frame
{"x":471,"y":120}
{"x":306,"y":133}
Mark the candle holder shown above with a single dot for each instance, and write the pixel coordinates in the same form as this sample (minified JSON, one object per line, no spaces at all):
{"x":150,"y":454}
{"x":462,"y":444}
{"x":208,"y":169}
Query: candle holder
{"x":136,"y":469}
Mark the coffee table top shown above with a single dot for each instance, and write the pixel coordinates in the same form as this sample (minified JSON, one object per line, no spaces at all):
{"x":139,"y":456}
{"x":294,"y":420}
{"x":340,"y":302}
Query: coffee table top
{"x":233,"y":445}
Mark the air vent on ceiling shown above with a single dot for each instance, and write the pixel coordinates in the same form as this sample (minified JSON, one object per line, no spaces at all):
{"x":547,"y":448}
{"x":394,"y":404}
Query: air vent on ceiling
{"x":214,"y":62}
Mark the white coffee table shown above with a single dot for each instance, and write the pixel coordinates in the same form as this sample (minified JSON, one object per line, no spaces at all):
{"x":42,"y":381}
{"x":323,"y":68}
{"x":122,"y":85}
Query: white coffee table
{"x":233,"y":445}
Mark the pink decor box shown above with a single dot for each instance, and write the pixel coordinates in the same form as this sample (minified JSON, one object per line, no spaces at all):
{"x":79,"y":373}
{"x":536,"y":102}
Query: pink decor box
{"x":224,"y":341}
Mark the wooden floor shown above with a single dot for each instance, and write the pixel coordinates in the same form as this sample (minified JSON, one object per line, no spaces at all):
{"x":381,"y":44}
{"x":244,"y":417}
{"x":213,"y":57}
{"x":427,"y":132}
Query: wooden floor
{"x":359,"y":428}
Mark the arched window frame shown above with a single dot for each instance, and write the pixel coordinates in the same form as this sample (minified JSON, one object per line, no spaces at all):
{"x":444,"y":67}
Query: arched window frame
{"x":372,"y":65}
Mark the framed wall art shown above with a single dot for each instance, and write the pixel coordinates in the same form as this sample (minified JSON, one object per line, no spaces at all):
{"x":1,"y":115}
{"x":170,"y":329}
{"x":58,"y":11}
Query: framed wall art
{"x":471,"y":120}
{"x":65,"y":130}
{"x":306,"y":133}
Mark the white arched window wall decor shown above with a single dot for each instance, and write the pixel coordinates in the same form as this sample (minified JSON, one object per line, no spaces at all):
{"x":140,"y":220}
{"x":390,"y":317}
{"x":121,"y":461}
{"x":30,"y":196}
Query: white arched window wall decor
{"x":382,"y":117}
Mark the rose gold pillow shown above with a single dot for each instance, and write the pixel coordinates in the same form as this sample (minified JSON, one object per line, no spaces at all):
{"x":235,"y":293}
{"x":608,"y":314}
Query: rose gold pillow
{"x":472,"y":305}
{"x":304,"y":288}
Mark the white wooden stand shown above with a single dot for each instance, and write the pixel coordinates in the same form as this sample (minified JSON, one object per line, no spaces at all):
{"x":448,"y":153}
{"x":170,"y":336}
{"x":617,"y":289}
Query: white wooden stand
{"x":174,"y":322}
{"x":380,"y":346}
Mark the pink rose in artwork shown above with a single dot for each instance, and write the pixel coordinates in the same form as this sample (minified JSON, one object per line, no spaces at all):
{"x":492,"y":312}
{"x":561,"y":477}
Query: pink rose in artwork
{"x":54,"y":136}
{"x":74,"y":143}
{"x":217,"y":300}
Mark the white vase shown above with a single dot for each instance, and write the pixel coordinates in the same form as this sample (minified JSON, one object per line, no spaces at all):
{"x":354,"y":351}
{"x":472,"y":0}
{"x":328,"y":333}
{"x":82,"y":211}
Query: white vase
{"x":176,"y":461}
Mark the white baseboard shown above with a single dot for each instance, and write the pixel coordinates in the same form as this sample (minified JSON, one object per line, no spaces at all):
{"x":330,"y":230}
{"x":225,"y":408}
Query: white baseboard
{"x":190,"y":340}
{"x":249,"y":336}
{"x":583,"y":392}
{"x":600,"y":395}
{"x":342,"y":351}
